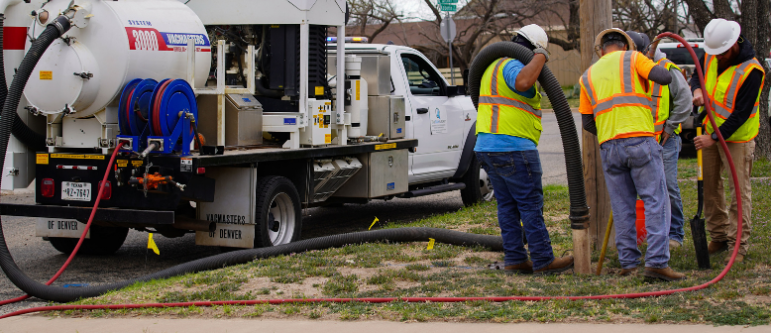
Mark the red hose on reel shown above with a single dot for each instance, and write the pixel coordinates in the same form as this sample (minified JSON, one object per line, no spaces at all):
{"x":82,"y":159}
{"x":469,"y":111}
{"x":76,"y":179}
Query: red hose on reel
{"x":460,"y":299}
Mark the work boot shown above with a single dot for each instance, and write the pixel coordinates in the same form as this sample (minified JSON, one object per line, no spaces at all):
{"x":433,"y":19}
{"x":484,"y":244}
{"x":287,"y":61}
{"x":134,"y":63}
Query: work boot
{"x":666,"y":274}
{"x":523,"y":268}
{"x":673,"y":244}
{"x":628,"y":271}
{"x":739,"y":258}
{"x":717,"y":247}
{"x":557,"y":266}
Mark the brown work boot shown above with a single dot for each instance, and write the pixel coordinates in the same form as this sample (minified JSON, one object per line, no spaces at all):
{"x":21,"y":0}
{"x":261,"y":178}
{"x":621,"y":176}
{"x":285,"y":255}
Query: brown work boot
{"x":557,"y":266}
{"x":628,"y":272}
{"x":717,"y":247}
{"x":666,"y":274}
{"x":739,"y":258}
{"x":523,"y":268}
{"x":673,"y":244}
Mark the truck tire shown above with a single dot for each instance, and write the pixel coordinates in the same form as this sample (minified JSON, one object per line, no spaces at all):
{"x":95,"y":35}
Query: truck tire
{"x":104,"y":241}
{"x":278,"y":219}
{"x":478,"y":186}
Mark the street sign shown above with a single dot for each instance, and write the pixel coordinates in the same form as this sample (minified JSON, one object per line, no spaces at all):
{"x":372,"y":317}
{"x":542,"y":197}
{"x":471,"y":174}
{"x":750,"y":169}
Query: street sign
{"x":448,"y":34}
{"x":448,"y":8}
{"x":447,"y":1}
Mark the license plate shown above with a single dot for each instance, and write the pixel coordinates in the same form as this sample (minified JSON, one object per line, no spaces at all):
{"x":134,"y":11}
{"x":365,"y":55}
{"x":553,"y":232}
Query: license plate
{"x":76,"y":191}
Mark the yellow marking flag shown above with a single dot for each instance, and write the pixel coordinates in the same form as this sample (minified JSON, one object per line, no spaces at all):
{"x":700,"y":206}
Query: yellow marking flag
{"x":373,"y":223}
{"x":431,"y":242}
{"x":151,"y":244}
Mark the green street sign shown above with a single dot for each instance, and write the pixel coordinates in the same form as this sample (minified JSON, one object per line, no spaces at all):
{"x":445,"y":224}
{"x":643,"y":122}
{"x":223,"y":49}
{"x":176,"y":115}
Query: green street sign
{"x":448,"y":8}
{"x":447,"y":1}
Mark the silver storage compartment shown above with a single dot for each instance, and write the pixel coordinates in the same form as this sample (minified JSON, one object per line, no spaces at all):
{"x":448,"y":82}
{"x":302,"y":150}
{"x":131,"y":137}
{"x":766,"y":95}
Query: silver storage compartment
{"x":243,"y":121}
{"x":382,"y":174}
{"x":375,"y":69}
{"x":386,"y":115}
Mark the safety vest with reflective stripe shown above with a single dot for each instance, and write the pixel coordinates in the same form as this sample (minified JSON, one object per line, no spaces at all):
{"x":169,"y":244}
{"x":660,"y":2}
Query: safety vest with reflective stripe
{"x":722,"y":91}
{"x":503,"y":111}
{"x":661,"y":102}
{"x":620,"y":102}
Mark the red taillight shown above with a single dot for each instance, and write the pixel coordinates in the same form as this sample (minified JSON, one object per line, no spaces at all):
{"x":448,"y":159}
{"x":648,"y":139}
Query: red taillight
{"x":107,"y":193}
{"x":201,"y":171}
{"x":47,"y":188}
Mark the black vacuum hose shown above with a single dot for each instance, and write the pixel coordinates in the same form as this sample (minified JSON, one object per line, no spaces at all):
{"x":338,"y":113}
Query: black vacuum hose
{"x":579,"y":211}
{"x":402,"y":235}
{"x":20,"y":130}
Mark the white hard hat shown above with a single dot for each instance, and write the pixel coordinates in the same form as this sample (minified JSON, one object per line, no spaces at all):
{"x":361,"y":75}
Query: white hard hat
{"x":535,"y":35}
{"x":720,"y":35}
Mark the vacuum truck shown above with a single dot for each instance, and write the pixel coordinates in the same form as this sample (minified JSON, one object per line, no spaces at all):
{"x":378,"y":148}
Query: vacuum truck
{"x":229,"y":118}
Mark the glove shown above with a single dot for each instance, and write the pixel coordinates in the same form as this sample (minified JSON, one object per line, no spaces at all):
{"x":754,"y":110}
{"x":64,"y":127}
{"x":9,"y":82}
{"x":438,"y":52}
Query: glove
{"x":542,"y":51}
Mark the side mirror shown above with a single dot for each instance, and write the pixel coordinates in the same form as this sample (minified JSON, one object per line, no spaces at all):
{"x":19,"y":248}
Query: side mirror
{"x":453,"y":91}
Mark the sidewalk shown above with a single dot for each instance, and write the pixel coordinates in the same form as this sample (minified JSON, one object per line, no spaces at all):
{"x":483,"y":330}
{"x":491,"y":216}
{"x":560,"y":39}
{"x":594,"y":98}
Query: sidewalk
{"x":153,"y":325}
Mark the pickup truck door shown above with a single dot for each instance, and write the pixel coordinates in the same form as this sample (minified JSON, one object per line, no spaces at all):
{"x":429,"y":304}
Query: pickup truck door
{"x":437,"y":121}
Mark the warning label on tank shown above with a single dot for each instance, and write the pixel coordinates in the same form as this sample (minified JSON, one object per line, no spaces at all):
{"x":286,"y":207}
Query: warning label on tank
{"x":46,"y":75}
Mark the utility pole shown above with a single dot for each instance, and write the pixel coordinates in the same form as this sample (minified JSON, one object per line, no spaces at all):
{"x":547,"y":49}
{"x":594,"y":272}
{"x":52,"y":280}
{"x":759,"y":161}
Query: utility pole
{"x":596,"y":16}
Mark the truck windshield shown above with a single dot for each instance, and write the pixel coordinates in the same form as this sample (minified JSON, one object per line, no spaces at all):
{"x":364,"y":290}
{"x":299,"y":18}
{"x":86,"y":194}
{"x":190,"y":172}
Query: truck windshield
{"x":681,"y":56}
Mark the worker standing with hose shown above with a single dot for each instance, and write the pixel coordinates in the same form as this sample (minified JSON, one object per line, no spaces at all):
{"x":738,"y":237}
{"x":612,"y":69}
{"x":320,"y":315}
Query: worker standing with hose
{"x":733,"y":79}
{"x":616,"y":107}
{"x":508,"y":129}
{"x":670,"y":107}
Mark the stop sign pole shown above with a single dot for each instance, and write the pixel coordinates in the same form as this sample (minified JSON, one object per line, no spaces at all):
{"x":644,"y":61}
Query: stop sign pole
{"x":447,"y":29}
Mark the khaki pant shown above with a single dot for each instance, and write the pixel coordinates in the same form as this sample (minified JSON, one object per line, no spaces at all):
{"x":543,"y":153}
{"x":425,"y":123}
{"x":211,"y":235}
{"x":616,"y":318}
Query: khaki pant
{"x":721,"y":225}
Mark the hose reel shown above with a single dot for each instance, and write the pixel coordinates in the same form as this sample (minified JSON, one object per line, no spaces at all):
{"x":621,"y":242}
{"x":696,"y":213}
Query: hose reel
{"x":159,"y":114}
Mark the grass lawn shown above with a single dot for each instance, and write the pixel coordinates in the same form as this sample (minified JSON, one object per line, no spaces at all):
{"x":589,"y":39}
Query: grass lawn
{"x":380,"y":270}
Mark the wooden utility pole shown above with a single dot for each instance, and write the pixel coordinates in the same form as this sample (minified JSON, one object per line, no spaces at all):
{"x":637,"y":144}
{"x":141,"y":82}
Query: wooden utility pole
{"x":596,"y":16}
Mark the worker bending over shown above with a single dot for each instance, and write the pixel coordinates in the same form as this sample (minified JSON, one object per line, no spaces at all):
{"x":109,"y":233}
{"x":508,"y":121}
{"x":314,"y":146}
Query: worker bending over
{"x":733,"y":79}
{"x":616,"y":106}
{"x":670,"y":107}
{"x":508,"y":129}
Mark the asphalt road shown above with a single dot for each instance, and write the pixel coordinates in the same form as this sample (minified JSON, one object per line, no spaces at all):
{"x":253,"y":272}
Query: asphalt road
{"x":40,"y":261}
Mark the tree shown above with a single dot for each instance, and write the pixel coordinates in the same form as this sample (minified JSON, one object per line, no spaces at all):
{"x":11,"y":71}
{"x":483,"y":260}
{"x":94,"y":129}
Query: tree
{"x":381,"y":13}
{"x":481,"y":22}
{"x":647,"y":16}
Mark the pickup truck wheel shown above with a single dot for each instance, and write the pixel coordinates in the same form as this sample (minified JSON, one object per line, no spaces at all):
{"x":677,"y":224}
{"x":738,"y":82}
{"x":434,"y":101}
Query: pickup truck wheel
{"x":104,"y":241}
{"x":279,"y":219}
{"x":478,"y":185}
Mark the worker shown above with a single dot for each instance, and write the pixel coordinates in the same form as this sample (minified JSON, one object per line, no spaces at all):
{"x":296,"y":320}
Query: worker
{"x":733,"y":79}
{"x":616,"y":107}
{"x":508,"y":129}
{"x":670,"y":107}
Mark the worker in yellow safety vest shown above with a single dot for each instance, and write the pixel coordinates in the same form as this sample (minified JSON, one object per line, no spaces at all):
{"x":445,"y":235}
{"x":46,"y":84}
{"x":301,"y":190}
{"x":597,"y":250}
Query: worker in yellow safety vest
{"x":616,"y":106}
{"x":670,"y":107}
{"x":508,"y":129}
{"x":733,"y":79}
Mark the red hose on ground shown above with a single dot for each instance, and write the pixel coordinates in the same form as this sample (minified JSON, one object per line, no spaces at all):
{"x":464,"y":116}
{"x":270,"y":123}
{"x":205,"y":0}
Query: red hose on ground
{"x":85,"y":231}
{"x":457,"y":299}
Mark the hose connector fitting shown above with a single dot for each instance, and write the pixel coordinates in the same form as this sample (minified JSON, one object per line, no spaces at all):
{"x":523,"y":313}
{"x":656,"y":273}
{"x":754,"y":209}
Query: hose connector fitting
{"x":579,"y":218}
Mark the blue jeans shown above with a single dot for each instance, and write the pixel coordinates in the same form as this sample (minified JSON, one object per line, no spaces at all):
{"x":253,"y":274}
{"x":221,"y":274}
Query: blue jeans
{"x":671,"y":152}
{"x":632,"y":167}
{"x":516,"y":177}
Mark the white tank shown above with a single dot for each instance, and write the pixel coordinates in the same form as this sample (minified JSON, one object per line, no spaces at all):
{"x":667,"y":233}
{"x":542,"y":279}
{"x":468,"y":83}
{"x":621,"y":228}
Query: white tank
{"x":359,"y":108}
{"x":123,"y":40}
